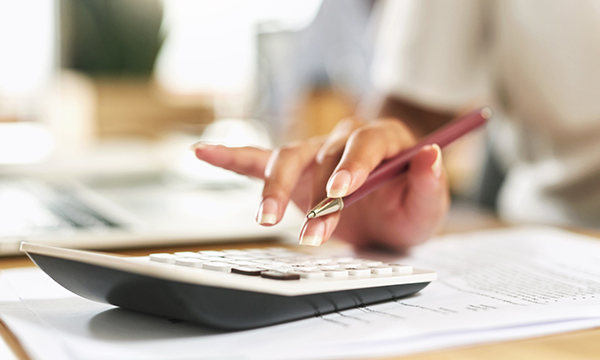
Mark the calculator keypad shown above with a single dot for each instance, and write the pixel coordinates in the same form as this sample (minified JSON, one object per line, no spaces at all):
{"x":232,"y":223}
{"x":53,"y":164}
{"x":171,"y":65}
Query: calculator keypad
{"x":282,"y":264}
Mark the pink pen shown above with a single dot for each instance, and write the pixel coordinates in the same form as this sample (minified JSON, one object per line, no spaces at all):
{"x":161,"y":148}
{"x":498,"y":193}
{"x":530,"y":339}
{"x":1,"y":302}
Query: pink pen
{"x":397,"y":165}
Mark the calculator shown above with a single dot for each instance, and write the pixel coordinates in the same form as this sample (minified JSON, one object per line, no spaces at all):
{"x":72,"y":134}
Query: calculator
{"x":229,"y":289}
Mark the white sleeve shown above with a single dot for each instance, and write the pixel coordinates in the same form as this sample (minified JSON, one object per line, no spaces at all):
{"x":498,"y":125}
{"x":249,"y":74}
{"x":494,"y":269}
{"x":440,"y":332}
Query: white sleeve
{"x":431,"y":52}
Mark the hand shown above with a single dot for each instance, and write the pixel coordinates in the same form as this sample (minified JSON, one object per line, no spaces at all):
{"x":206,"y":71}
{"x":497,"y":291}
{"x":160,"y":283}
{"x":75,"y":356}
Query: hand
{"x":399,"y":214}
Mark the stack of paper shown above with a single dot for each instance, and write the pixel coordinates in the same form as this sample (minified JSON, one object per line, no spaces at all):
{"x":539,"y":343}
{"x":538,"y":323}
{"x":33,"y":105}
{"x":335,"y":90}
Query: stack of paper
{"x":493,"y":286}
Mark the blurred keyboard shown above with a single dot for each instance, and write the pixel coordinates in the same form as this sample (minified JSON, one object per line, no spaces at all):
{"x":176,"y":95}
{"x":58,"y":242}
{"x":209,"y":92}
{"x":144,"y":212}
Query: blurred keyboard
{"x":29,"y":207}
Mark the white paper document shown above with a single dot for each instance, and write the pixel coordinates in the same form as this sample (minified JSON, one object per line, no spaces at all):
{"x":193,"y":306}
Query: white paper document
{"x":493,"y":286}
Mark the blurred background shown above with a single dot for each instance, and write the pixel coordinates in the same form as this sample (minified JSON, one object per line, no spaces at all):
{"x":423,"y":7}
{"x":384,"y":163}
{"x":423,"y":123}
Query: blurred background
{"x":110,"y":86}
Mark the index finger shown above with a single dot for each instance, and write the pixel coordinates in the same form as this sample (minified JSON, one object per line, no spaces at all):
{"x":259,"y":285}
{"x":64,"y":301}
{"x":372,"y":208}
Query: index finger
{"x":365,"y":150}
{"x":249,"y":161}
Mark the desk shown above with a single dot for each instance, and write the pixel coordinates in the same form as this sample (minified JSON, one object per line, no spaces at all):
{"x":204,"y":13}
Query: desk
{"x":574,"y":345}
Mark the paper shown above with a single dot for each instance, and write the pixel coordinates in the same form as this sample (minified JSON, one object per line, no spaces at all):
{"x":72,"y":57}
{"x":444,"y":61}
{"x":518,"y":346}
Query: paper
{"x":494,"y":286}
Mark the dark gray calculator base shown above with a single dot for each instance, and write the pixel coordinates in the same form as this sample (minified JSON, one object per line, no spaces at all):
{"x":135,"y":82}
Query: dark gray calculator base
{"x":214,"y":306}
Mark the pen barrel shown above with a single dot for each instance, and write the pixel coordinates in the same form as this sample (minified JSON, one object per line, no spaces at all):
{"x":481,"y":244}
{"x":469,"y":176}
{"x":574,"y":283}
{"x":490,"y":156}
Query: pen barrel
{"x":397,"y":165}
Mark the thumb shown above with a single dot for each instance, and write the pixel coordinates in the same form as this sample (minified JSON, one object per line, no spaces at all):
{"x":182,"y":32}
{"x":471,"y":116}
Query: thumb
{"x":427,"y":200}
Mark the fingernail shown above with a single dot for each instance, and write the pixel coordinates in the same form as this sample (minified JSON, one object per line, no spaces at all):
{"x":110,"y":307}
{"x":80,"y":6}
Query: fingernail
{"x":267,"y":212}
{"x":436,"y":167}
{"x":198,"y":146}
{"x":313,"y":233}
{"x":338,"y":184}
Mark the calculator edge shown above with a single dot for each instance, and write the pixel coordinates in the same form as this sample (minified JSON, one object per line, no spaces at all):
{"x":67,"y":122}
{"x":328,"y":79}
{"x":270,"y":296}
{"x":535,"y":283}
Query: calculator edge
{"x":222,"y":280}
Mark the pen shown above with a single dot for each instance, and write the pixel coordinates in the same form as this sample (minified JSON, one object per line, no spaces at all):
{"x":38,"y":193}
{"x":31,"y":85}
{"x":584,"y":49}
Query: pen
{"x":397,"y":165}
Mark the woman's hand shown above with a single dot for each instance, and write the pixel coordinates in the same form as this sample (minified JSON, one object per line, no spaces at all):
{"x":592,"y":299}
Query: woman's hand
{"x":399,"y":214}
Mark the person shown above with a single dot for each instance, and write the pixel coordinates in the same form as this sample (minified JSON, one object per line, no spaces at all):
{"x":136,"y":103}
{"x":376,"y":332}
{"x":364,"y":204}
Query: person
{"x":536,"y":63}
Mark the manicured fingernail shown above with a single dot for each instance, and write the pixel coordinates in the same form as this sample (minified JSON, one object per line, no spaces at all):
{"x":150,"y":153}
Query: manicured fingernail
{"x":436,"y":167}
{"x":313,"y":233}
{"x":198,"y":146}
{"x":267,"y":212}
{"x":338,"y":184}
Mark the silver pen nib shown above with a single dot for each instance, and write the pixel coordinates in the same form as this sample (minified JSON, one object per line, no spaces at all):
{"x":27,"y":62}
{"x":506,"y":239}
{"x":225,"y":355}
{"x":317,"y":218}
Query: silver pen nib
{"x":327,"y":206}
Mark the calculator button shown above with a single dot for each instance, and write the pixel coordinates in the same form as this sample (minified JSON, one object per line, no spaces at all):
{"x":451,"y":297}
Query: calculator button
{"x":279,"y":251}
{"x":323,"y":261}
{"x":337,"y":274}
{"x":188,"y":254}
{"x":189,"y":262}
{"x":371,"y":262}
{"x":381,"y":270}
{"x":277,"y":275}
{"x":265,"y":266}
{"x":243,"y":263}
{"x":352,"y":265}
{"x":269,"y":267}
{"x":306,"y":268}
{"x":233,"y":252}
{"x":300,"y":263}
{"x":401,"y":269}
{"x":258,"y":261}
{"x":262,"y":258}
{"x":261,"y":254}
{"x":273,"y":264}
{"x":279,"y":263}
{"x":163,"y":258}
{"x":284,"y":257}
{"x":238,"y":257}
{"x":211,"y":253}
{"x":210,"y":258}
{"x":328,"y":267}
{"x":360,"y":272}
{"x":217,"y":266}
{"x":242,"y":270}
{"x":264,"y":261}
{"x":255,"y":251}
{"x":310,"y":274}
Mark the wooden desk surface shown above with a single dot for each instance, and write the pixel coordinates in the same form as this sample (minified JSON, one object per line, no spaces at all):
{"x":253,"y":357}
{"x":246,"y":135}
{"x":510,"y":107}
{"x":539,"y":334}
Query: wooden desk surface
{"x":577,"y":345}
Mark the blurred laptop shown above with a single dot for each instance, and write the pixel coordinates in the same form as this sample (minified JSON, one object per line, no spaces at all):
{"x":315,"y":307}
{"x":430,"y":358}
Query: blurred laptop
{"x":187,"y":202}
{"x":102,"y":216}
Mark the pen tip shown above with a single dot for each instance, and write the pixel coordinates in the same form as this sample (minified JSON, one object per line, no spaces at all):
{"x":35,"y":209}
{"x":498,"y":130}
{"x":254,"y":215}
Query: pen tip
{"x":311,"y":215}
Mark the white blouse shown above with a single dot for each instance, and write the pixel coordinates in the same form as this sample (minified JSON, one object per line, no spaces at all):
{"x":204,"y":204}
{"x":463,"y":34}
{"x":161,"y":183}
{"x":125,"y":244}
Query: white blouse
{"x":537,"y":62}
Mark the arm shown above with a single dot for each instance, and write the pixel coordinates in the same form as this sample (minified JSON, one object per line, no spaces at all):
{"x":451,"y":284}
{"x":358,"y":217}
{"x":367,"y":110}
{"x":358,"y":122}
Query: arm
{"x":401,"y":213}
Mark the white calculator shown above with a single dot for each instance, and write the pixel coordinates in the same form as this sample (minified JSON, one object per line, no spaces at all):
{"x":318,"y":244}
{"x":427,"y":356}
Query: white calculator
{"x":229,"y":289}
